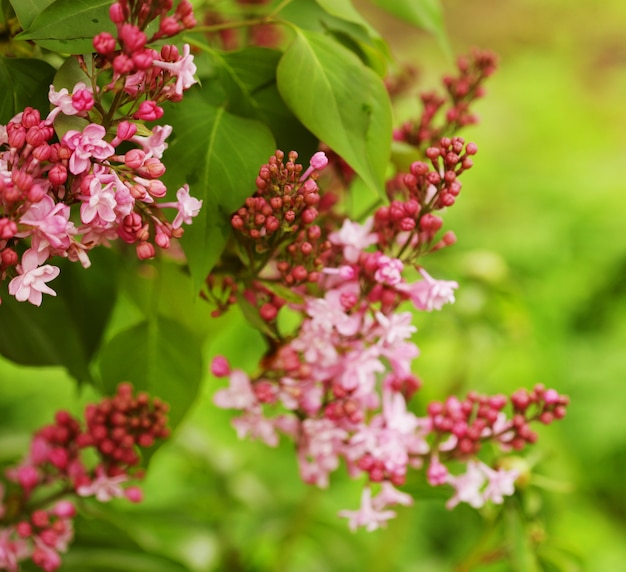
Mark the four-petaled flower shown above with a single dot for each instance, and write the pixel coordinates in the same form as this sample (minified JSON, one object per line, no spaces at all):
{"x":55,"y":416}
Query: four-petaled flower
{"x":30,"y":284}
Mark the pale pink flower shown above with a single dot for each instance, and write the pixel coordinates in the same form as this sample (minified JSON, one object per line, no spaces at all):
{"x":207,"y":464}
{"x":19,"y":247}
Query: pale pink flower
{"x":328,"y":313}
{"x":367,"y":515}
{"x":12,"y":551}
{"x":239,"y":394}
{"x":254,"y":424}
{"x":468,"y":486}
{"x":188,"y":207}
{"x":70,"y":104}
{"x":354,"y":238}
{"x":359,"y":369}
{"x":394,"y":327}
{"x":154,"y":145}
{"x":184,"y":69}
{"x":86,"y":145}
{"x":389,"y":270}
{"x":100,"y":204}
{"x":31,"y":282}
{"x":390,"y":495}
{"x":50,"y":221}
{"x":437,"y":472}
{"x":320,"y":444}
{"x":500,"y":483}
{"x":103,"y":487}
{"x":429,"y":294}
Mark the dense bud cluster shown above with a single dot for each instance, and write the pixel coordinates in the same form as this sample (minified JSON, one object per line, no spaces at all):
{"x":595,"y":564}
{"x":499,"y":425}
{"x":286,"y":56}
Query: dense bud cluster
{"x":462,"y":91}
{"x":115,"y":430}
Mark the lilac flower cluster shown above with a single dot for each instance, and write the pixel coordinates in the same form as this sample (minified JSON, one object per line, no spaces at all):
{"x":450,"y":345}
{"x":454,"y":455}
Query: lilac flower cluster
{"x":56,"y":467}
{"x":109,"y":169}
{"x":339,"y":385}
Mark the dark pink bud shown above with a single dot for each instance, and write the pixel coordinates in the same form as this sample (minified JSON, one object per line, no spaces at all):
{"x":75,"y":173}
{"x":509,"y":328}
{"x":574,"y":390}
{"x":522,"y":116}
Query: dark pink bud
{"x":220,"y":366}
{"x":268,"y":312}
{"x":83,"y":100}
{"x":24,"y":529}
{"x":134,"y":494}
{"x":116,"y":13}
{"x":309,"y":215}
{"x":169,"y":26}
{"x":28,"y":477}
{"x":471,"y":149}
{"x":149,"y":111}
{"x":104,"y":43}
{"x":145,"y":250}
{"x":126,"y":130}
{"x":123,"y":65}
{"x":30,"y":117}
{"x":134,"y":158}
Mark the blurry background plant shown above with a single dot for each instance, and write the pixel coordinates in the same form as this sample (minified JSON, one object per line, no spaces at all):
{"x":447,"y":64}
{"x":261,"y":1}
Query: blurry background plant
{"x":540,"y":261}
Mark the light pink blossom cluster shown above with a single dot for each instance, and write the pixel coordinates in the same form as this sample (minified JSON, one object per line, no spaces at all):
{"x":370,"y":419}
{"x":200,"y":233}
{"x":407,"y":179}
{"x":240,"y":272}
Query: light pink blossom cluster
{"x":109,"y":170}
{"x":57,"y":466}
{"x":340,"y":384}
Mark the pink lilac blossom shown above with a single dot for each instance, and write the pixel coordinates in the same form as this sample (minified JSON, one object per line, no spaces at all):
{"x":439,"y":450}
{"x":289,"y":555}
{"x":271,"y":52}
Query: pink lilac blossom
{"x":429,"y":294}
{"x":367,"y":515}
{"x":30,"y":284}
{"x":184,"y":69}
{"x":86,"y":145}
{"x":354,"y":238}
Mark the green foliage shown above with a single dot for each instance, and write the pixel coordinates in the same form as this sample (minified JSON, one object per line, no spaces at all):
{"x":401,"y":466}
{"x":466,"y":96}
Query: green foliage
{"x":340,"y":100}
{"x":160,"y":356}
{"x":27,"y":10}
{"x":221,"y":166}
{"x":68,"y":26}
{"x":24,"y":83}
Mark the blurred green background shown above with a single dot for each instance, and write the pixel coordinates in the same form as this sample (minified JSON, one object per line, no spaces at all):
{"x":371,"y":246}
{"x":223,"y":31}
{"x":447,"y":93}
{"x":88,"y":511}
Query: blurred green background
{"x":541,"y":259}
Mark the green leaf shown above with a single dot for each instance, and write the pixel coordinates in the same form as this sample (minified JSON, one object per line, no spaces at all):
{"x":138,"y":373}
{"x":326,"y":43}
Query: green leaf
{"x":248,"y":77}
{"x":67,"y":329}
{"x":425,"y":14}
{"x":340,"y":18}
{"x":25,"y":82}
{"x":346,"y":11}
{"x":159,"y":356}
{"x":219,"y":155}
{"x":341,"y":101}
{"x":243,"y":73}
{"x":70,"y":25}
{"x":27,"y":10}
{"x":31,"y":335}
{"x":523,"y":557}
{"x":116,"y":560}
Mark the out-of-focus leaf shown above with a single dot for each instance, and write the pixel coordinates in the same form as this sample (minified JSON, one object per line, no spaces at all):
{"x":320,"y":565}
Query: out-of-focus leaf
{"x":160,"y":356}
{"x":27,"y":10}
{"x":219,"y":155}
{"x":523,"y":558}
{"x":425,"y":14}
{"x":24,"y":83}
{"x":67,"y":329}
{"x":90,"y":295}
{"x":115,"y":560}
{"x":341,"y":101}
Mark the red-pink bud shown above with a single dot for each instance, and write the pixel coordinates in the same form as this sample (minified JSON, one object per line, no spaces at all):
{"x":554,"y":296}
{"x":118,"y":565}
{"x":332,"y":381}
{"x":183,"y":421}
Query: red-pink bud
{"x":145,"y":250}
{"x":104,"y":43}
{"x":220,"y":366}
